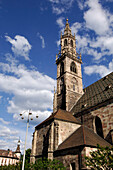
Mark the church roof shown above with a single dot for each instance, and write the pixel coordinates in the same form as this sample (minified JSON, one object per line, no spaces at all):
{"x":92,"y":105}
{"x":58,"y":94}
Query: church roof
{"x":61,"y":115}
{"x":7,"y":153}
{"x":95,"y":94}
{"x":83,"y":136}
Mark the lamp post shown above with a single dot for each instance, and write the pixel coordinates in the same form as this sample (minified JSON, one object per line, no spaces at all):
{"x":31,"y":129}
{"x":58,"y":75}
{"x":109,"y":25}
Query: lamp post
{"x":22,"y":117}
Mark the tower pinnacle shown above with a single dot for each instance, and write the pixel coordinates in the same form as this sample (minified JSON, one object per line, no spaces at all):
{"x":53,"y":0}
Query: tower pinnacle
{"x":67,"y":30}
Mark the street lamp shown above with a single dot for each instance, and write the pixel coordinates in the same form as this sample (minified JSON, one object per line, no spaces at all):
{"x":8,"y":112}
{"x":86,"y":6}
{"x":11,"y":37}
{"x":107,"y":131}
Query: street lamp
{"x":22,"y":117}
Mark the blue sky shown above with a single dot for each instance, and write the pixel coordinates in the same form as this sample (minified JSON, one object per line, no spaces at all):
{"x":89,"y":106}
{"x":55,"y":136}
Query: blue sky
{"x":29,"y":41}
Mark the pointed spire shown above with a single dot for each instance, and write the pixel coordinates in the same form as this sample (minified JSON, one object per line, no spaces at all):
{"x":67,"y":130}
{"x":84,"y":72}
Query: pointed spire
{"x":18,"y":147}
{"x":67,"y":30}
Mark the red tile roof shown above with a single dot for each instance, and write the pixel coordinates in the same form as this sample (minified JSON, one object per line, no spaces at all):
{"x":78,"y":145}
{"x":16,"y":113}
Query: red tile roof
{"x":60,"y":115}
{"x":83,"y":136}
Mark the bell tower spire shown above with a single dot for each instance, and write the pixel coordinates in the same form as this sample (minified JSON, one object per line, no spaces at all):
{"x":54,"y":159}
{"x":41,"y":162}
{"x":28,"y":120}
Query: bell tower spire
{"x":69,"y":77}
{"x":67,"y":30}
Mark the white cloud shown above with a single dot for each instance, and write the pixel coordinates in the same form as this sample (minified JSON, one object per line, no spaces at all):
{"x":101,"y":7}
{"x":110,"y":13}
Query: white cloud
{"x":4,"y":122}
{"x":58,"y":43}
{"x":57,"y":10}
{"x":94,"y":35}
{"x":76,"y":27}
{"x":96,"y":17}
{"x":61,"y":6}
{"x":80,"y":4}
{"x":1,"y":97}
{"x":9,"y":137}
{"x":29,"y":88}
{"x":42,"y":39}
{"x":59,"y":21}
{"x":20,"y":46}
{"x":102,"y":70}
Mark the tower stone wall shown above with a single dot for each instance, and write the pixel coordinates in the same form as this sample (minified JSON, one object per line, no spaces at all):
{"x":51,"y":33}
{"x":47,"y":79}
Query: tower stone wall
{"x":69,"y":76}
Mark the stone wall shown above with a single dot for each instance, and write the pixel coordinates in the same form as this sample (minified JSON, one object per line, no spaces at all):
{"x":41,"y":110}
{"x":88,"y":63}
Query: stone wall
{"x":105,"y":113}
{"x":66,"y":129}
{"x":67,"y":160}
{"x":71,"y":94}
{"x":47,"y":138}
{"x":72,"y":156}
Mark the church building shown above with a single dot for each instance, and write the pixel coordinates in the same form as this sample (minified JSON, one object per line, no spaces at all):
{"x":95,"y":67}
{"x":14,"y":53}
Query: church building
{"x":81,"y":118}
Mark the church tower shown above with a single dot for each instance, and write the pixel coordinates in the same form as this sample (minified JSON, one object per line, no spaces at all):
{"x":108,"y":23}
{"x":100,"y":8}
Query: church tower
{"x":69,"y":77}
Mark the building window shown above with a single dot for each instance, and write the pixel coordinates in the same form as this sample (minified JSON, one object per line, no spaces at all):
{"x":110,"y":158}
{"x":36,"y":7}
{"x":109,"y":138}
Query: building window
{"x":74,"y":84}
{"x":71,"y":43}
{"x":73,"y":67}
{"x":62,"y":68}
{"x":65,"y":42}
{"x":98,"y":125}
{"x":73,"y":87}
{"x":62,"y":85}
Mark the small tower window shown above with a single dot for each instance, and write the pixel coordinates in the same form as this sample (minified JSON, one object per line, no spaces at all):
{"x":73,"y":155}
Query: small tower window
{"x":61,"y":85}
{"x":73,"y":87}
{"x":62,"y":68}
{"x":71,"y":43}
{"x":73,"y":67}
{"x":74,"y":84}
{"x":65,"y":42}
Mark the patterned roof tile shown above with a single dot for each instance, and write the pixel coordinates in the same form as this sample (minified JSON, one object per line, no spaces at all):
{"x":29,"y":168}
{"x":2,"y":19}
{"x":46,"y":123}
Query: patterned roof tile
{"x":96,"y":93}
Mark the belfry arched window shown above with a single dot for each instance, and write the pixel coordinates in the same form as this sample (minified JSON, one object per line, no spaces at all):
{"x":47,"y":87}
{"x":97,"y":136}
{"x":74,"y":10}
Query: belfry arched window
{"x":65,"y":42}
{"x":73,"y":67}
{"x":98,"y":125}
{"x":61,"y":68}
{"x":71,"y":42}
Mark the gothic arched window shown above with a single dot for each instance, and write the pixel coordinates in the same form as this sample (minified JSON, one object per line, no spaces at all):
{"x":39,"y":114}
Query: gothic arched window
{"x":65,"y":42}
{"x":62,"y":85}
{"x":73,"y":67}
{"x":71,"y":43}
{"x":98,"y":125}
{"x":74,"y":84}
{"x":61,"y":68}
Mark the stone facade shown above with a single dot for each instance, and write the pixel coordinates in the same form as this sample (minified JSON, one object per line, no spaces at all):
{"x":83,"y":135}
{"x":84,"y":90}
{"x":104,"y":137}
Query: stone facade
{"x":54,"y":137}
{"x":73,"y":158}
{"x":104,"y":112}
{"x":49,"y":136}
{"x":69,"y":76}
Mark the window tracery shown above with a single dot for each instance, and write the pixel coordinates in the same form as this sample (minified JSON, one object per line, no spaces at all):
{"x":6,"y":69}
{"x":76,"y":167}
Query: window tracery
{"x":62,"y":68}
{"x":73,"y":67}
{"x":74,"y":84}
{"x":65,"y":42}
{"x":71,"y":42}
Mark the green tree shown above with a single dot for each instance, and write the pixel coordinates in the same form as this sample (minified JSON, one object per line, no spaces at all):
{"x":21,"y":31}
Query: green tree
{"x":101,"y":159}
{"x":27,"y":157}
{"x":43,"y":164}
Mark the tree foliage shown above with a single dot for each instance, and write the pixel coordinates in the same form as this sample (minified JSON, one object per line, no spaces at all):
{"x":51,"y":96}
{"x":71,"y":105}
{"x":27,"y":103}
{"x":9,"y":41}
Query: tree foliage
{"x":101,"y":159}
{"x":48,"y":164}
